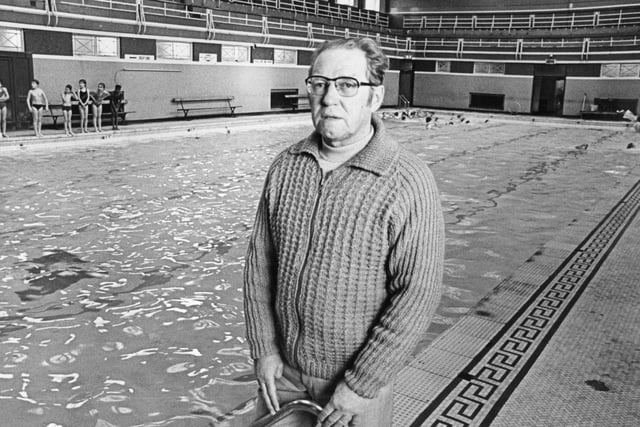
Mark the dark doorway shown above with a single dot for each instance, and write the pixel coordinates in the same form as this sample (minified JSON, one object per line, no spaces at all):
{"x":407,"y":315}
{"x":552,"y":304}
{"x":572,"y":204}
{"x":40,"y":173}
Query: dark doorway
{"x":548,"y":95}
{"x":405,"y":85}
{"x":16,"y":72}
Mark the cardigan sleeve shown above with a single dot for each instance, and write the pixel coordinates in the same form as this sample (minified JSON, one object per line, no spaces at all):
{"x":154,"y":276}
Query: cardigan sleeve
{"x":260,"y":284}
{"x":415,"y":265}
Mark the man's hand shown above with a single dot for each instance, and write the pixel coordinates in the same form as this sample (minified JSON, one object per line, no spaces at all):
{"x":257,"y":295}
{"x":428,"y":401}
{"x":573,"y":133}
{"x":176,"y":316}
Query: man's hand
{"x":267,"y":369}
{"x":344,"y":409}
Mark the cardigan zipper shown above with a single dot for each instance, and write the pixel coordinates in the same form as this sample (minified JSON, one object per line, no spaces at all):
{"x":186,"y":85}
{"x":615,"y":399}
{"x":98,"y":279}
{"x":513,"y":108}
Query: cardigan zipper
{"x":304,"y":265}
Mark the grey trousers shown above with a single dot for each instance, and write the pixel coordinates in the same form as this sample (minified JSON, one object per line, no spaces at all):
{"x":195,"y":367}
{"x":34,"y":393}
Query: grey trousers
{"x":294,"y":385}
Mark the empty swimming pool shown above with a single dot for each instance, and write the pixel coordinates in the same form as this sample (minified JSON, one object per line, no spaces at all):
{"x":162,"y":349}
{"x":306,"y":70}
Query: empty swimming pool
{"x":121,"y":263}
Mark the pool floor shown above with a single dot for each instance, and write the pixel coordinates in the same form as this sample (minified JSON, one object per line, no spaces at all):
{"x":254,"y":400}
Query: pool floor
{"x":121,"y":262}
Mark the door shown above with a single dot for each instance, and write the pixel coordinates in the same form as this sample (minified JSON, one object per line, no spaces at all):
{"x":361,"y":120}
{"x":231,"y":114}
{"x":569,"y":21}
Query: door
{"x":547,"y":96}
{"x":6,"y":77}
{"x":16,"y":72}
{"x":406,"y":86}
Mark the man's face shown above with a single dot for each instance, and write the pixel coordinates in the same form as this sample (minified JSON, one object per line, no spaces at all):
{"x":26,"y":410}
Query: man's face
{"x":343,"y":120}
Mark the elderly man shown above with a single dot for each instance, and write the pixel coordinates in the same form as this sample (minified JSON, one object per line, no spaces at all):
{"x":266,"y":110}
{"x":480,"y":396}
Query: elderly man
{"x":344,"y":266}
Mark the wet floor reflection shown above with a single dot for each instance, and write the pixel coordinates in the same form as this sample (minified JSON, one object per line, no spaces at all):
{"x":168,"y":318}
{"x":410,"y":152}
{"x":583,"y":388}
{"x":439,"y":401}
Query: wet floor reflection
{"x":121,"y":266}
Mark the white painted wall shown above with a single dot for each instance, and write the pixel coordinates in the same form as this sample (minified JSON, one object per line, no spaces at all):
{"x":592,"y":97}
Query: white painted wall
{"x":150,"y":86}
{"x":451,"y":90}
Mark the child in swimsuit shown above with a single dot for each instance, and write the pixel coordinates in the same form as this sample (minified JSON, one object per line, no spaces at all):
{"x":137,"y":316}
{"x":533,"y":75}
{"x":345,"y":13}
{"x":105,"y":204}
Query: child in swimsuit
{"x":67,"y":97}
{"x":98,"y":97}
{"x":38,"y":103}
{"x":84,"y":99}
{"x":116,"y":105}
{"x":4,"y":97}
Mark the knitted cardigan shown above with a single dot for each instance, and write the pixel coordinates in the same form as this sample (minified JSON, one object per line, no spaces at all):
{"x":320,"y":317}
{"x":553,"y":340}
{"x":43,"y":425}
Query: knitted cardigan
{"x":343,"y":273}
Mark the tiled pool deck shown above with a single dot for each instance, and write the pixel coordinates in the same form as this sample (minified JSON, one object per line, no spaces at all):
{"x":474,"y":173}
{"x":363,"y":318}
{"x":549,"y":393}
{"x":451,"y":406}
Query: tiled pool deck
{"x":555,"y":344}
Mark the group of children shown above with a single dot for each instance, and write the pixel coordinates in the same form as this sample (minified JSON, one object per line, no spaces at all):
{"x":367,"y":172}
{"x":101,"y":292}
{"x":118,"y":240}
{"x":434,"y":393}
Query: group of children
{"x":38,"y":103}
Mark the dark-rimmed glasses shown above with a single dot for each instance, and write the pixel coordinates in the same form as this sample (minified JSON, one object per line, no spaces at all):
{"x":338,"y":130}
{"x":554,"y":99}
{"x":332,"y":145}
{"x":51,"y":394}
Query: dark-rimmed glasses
{"x":346,"y":86}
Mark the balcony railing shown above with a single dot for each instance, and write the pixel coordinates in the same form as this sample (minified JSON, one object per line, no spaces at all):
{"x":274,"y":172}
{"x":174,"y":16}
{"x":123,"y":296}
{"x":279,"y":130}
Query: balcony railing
{"x":323,"y":9}
{"x":521,"y":49}
{"x":178,"y":9}
{"x":308,"y":8}
{"x":569,"y":19}
{"x":213,"y":19}
{"x":287,"y":32}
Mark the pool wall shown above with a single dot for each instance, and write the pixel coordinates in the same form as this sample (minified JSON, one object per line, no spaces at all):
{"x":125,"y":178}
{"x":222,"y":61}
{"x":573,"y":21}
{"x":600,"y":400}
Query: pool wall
{"x":453,"y":90}
{"x":150,"y":86}
{"x":577,"y":87}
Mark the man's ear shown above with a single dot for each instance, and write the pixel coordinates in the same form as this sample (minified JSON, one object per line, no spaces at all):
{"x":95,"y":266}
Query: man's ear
{"x":377,"y":97}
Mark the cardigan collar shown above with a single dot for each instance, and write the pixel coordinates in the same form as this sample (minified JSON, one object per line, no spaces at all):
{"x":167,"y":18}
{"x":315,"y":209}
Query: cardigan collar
{"x":377,"y":156}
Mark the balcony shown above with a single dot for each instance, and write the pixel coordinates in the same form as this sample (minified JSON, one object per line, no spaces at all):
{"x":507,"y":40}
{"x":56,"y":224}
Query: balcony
{"x":542,"y":21}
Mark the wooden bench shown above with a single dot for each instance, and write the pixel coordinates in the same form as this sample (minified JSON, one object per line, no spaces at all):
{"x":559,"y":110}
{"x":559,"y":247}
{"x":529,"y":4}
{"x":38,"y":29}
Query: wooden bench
{"x":185,"y":106}
{"x":106,"y":112}
{"x":295,"y":100}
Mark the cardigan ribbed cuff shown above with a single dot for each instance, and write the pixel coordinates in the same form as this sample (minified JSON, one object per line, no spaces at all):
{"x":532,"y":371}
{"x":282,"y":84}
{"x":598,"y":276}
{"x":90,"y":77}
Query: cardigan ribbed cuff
{"x":260,"y":349}
{"x":366,"y":386}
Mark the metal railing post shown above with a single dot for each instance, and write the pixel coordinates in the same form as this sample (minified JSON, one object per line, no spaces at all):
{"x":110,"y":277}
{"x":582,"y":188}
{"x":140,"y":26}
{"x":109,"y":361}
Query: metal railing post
{"x":573,"y":19}
{"x":619,"y":18}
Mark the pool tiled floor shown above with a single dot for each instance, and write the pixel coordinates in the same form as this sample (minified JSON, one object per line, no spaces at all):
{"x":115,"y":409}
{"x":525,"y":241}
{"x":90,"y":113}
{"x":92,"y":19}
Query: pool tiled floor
{"x":554,"y":342}
{"x":557,"y":344}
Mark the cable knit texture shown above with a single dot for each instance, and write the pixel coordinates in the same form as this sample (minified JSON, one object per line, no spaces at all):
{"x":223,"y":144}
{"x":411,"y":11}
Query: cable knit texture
{"x":343,"y":273}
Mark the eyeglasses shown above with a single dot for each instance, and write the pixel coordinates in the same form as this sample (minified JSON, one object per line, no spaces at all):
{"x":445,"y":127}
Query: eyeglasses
{"x":346,"y":86}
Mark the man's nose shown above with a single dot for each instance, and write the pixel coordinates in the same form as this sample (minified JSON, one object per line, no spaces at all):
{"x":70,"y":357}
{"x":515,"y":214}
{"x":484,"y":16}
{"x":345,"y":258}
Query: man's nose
{"x":331,"y":96}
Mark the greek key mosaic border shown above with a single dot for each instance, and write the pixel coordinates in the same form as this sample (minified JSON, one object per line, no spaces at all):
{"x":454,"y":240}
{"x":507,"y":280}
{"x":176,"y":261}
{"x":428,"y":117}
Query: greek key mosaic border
{"x":476,"y":396}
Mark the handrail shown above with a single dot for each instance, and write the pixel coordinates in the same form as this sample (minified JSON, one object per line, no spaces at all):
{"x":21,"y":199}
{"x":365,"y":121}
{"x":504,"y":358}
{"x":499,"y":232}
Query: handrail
{"x":403,"y":102}
{"x":217,"y":16}
{"x":321,"y":9}
{"x":447,"y":46}
{"x":286,"y":410}
{"x":524,"y":20}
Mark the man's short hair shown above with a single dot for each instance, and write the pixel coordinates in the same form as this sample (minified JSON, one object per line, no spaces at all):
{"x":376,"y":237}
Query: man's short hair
{"x":377,"y":62}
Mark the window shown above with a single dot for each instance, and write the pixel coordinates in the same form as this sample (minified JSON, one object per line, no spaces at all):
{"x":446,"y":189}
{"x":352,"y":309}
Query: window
{"x":95,"y":46}
{"x":285,"y":56}
{"x":11,"y":39}
{"x":231,"y":53}
{"x":346,"y":2}
{"x":173,"y":50}
{"x":488,"y":68}
{"x":620,"y":70}
{"x":372,"y":5}
{"x":629,"y":70}
{"x":443,"y":66}
{"x":609,"y":70}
